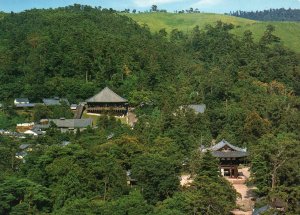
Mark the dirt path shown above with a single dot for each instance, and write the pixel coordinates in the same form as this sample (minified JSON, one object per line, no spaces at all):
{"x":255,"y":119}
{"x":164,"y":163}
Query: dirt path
{"x":185,"y":180}
{"x":245,"y":202}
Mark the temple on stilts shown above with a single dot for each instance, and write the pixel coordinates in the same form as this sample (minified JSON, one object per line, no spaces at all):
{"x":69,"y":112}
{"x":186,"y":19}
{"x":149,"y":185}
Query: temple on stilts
{"x":107,"y":102}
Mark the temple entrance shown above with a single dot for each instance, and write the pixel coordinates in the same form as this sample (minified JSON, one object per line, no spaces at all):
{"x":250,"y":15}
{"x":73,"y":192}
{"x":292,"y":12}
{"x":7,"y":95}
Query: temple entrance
{"x":229,"y":171}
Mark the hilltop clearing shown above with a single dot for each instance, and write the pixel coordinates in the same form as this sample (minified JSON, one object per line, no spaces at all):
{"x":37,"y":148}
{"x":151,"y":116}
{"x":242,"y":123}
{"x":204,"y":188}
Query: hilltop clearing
{"x":289,"y":32}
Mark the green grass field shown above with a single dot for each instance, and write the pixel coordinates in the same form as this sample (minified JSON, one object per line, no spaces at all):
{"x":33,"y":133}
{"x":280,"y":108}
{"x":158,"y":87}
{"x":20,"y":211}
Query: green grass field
{"x":289,"y":32}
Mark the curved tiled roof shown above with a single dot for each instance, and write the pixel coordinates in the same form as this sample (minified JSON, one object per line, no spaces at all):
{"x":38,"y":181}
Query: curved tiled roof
{"x":224,"y":143}
{"x":236,"y":152}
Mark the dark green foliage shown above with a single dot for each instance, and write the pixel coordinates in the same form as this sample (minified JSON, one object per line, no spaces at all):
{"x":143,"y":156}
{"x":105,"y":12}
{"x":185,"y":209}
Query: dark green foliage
{"x":157,"y":177}
{"x":41,"y":50}
{"x":124,"y":149}
{"x":9,"y":162}
{"x":22,"y":196}
{"x":204,"y":196}
{"x":132,"y":204}
{"x":208,"y":166}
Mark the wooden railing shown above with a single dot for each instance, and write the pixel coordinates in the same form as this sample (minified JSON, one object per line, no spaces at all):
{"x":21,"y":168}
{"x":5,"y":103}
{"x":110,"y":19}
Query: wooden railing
{"x":92,"y":109}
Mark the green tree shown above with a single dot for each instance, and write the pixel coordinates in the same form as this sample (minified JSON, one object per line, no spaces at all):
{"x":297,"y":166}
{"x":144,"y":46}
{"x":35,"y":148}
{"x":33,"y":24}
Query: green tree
{"x":154,"y":8}
{"x":157,"y":177}
{"x":275,"y":160}
{"x":206,"y":165}
{"x":204,"y":196}
{"x":23,"y":194}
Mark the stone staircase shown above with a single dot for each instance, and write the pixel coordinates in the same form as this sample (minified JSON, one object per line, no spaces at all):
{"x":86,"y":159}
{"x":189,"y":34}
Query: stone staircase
{"x":79,"y":112}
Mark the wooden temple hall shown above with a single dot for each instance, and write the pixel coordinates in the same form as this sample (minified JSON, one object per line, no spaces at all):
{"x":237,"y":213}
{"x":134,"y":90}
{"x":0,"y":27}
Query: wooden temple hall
{"x":230,"y":157}
{"x":107,"y":102}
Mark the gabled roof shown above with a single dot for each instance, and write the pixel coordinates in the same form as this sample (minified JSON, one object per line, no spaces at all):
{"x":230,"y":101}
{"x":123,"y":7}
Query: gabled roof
{"x":225,"y":143}
{"x":72,"y":123}
{"x":106,"y":96}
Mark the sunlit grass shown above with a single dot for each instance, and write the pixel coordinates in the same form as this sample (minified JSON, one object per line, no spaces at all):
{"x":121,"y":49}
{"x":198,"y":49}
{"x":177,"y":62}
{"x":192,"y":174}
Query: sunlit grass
{"x":289,"y":32}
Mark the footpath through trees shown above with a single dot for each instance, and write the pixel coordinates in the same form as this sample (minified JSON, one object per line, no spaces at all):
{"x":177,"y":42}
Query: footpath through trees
{"x":245,"y":202}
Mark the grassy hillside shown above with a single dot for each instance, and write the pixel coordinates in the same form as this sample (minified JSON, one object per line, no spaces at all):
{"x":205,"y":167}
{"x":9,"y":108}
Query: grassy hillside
{"x":289,"y":32}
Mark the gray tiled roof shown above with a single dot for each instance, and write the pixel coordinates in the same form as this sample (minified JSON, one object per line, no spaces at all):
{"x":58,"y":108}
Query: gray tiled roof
{"x":22,"y":100}
{"x":106,"y":96}
{"x":55,"y":101}
{"x":72,"y":123}
{"x":40,"y":126}
{"x":21,"y":154}
{"x":258,"y":211}
{"x":38,"y":131}
{"x":24,"y":146}
{"x":231,"y":154}
{"x":235,"y":153}
{"x":198,"y":108}
{"x":49,"y":101}
{"x":25,"y":105}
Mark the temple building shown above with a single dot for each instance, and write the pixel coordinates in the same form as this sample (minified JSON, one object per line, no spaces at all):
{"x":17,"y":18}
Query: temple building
{"x":107,"y":102}
{"x":230,"y":157}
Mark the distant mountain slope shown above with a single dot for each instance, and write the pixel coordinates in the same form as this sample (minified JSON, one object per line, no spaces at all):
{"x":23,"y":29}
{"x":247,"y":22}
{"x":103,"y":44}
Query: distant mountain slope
{"x":280,"y":14}
{"x":289,"y":32}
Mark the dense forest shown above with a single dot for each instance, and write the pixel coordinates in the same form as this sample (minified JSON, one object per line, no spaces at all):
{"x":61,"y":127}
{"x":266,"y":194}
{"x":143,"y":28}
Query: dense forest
{"x":251,"y":90}
{"x":281,"y":14}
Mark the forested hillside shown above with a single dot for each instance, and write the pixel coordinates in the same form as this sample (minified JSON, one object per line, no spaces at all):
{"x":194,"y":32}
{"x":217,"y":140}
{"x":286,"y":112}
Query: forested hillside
{"x":250,"y":88}
{"x":280,"y":14}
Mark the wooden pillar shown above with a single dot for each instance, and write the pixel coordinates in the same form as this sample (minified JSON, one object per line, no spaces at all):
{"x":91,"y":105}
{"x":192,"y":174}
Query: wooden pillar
{"x":236,"y":173}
